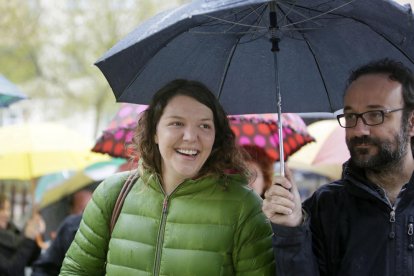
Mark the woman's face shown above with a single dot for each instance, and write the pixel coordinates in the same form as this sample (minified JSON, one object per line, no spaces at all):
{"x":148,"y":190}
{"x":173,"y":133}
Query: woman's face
{"x":185,"y":137}
{"x":5,"y":215}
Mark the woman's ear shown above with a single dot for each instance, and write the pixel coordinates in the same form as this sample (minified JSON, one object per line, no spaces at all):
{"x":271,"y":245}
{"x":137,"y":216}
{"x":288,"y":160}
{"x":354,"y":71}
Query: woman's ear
{"x":156,"y":139}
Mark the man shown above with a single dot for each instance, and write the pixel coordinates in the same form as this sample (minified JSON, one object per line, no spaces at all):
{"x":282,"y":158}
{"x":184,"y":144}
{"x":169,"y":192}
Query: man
{"x":362,"y":224}
{"x":50,"y":261}
{"x":17,"y":248}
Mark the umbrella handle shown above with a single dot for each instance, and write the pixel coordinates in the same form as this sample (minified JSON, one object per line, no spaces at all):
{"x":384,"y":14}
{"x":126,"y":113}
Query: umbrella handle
{"x":274,"y":28}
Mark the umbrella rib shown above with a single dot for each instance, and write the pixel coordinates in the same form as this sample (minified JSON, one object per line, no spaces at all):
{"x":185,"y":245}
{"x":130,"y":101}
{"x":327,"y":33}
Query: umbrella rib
{"x":232,"y":23}
{"x":229,"y":59}
{"x":381,"y":35}
{"x":331,"y":11}
{"x":226,"y":68}
{"x":315,"y":59}
{"x":315,"y":10}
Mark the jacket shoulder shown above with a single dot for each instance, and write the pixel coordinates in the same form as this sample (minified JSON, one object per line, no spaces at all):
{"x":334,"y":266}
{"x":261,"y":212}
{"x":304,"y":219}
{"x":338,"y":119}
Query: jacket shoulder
{"x":87,"y":253}
{"x":326,"y":196}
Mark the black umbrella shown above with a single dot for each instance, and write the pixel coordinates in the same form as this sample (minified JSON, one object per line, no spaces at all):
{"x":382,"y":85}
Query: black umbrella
{"x":252,"y":52}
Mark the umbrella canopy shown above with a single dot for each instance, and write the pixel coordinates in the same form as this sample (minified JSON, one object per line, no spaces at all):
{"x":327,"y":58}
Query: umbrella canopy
{"x":9,"y":93}
{"x":53,"y":190}
{"x":259,"y":130}
{"x":245,"y":50}
{"x":32,"y":150}
{"x":250,"y":130}
{"x":327,"y":154}
{"x":119,"y":132}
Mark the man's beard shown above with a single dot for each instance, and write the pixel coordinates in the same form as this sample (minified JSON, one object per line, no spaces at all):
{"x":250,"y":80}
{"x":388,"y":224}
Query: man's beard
{"x":387,"y":156}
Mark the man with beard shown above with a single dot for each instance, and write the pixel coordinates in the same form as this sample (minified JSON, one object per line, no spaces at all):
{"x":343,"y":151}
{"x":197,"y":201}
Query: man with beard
{"x":362,"y":224}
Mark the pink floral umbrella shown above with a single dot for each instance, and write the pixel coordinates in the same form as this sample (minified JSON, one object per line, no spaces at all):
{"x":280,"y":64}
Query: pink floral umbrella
{"x":260,"y":130}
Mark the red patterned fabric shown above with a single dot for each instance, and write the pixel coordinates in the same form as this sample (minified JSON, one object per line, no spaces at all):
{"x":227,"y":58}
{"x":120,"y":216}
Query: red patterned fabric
{"x":260,"y":130}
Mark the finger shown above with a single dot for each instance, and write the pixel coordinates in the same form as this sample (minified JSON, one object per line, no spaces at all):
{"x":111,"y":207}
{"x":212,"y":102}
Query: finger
{"x":279,"y":204}
{"x":270,"y":209}
{"x":277,"y":190}
{"x":282,"y":181}
{"x":290,"y":177}
{"x":282,"y":201}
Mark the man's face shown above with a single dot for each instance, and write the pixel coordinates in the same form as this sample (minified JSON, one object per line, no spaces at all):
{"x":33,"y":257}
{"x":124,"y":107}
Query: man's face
{"x":381,"y":146}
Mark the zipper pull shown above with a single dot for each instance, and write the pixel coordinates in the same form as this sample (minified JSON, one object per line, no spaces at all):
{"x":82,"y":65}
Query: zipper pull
{"x":410,"y":233}
{"x":391,"y":235}
{"x":392,"y":215}
{"x":165,"y":205}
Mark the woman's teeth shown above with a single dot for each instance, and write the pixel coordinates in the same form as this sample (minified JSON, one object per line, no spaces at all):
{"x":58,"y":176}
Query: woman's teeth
{"x":187,"y":152}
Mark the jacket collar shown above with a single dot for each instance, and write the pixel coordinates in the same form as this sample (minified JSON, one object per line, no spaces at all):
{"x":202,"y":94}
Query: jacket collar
{"x":191,"y":186}
{"x":355,"y":181}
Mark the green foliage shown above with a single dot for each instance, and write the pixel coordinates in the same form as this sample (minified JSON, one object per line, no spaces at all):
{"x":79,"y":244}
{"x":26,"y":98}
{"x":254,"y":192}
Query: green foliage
{"x":49,"y":47}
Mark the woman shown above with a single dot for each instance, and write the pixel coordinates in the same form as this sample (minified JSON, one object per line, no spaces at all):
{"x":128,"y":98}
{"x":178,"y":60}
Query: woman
{"x":17,"y":250}
{"x":184,"y":215}
{"x":261,"y":166}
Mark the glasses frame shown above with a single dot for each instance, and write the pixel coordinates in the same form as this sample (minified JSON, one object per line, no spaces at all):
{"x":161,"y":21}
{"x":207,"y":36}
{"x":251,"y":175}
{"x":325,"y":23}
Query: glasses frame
{"x":360,"y":115}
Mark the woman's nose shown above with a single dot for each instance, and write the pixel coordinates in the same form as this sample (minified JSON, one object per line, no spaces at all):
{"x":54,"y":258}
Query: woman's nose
{"x":190,"y":134}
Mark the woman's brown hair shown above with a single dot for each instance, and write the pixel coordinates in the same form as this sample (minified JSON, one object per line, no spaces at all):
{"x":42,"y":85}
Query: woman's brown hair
{"x":224,"y":156}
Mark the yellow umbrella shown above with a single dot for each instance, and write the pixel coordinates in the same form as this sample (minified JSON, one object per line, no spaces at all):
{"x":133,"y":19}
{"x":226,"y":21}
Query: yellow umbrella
{"x":28,"y":151}
{"x":327,"y":154}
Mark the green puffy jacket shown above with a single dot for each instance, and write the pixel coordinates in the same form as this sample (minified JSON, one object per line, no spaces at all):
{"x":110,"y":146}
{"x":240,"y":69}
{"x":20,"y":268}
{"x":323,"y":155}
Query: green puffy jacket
{"x":203,"y":228}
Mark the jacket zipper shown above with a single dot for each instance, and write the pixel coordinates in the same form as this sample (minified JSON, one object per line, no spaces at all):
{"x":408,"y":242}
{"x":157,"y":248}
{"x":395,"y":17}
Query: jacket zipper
{"x":410,"y":232}
{"x":161,"y":232}
{"x":160,"y":238}
{"x":392,"y":237}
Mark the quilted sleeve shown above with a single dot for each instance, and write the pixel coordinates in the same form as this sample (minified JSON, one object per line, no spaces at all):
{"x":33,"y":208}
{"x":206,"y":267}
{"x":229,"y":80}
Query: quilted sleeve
{"x":253,"y":254}
{"x":87,"y":253}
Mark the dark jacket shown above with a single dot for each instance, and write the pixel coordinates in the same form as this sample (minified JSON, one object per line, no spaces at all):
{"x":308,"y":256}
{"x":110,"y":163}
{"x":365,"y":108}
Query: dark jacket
{"x":352,"y":229}
{"x":16,"y":252}
{"x":50,"y":261}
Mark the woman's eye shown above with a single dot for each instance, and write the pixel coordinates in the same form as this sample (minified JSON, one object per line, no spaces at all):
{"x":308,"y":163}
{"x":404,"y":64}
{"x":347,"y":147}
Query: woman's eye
{"x":176,"y":124}
{"x":206,"y":126}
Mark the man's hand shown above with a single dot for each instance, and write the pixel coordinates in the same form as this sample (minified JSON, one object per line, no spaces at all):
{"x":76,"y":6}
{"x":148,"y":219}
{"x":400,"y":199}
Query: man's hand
{"x":282,"y":203}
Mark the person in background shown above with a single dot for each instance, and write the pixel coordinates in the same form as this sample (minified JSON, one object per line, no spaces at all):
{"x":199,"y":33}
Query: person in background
{"x":363,"y":223}
{"x":17,"y":249}
{"x":50,"y":261}
{"x":261,"y":167}
{"x":185,"y":215}
{"x":80,"y":199}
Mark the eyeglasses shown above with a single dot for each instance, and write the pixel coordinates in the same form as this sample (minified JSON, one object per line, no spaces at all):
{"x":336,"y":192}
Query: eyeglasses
{"x":369,"y":118}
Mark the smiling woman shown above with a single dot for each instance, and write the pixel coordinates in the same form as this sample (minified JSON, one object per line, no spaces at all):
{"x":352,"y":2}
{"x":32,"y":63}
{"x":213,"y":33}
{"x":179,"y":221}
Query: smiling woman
{"x":186,"y":214}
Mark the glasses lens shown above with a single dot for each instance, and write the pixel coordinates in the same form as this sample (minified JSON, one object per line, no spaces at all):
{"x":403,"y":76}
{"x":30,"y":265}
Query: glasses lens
{"x":374,"y":117}
{"x":350,"y":119}
{"x":343,"y":120}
